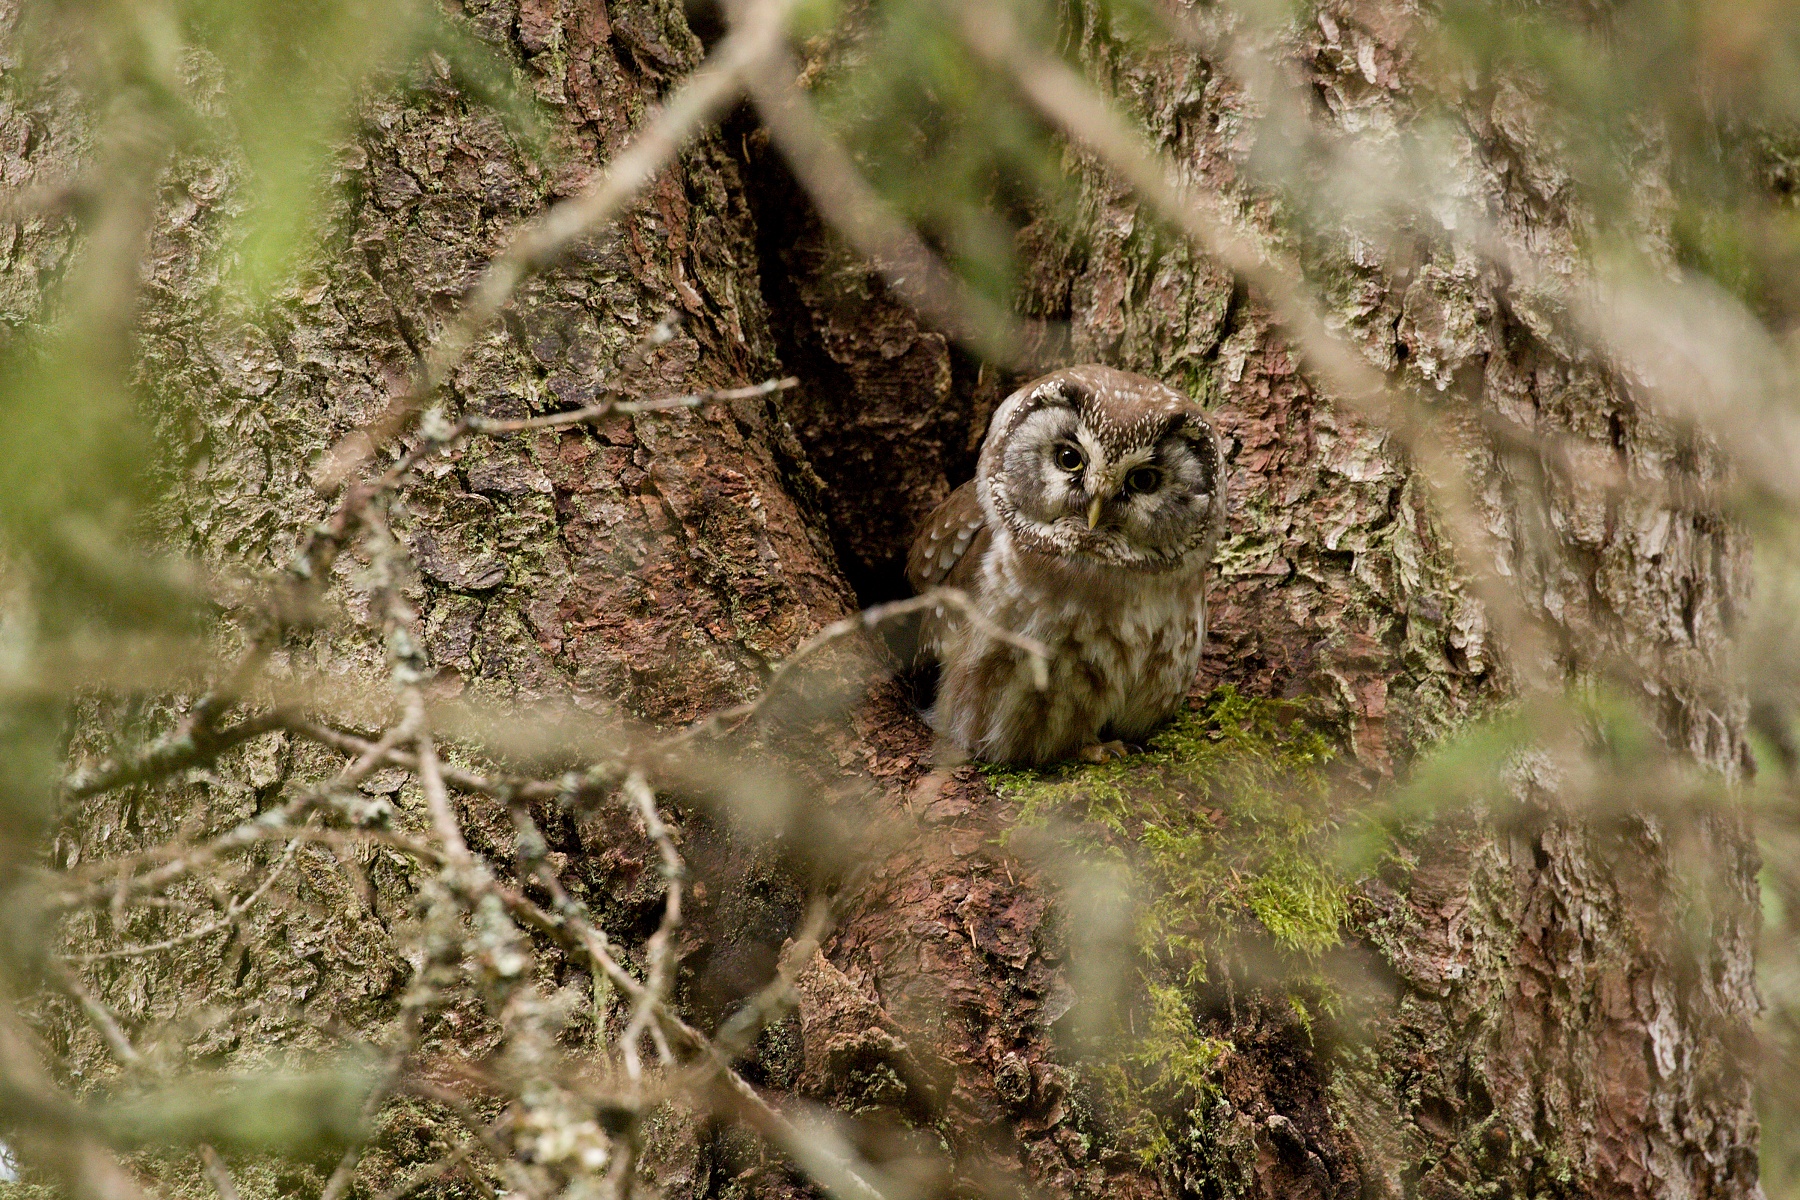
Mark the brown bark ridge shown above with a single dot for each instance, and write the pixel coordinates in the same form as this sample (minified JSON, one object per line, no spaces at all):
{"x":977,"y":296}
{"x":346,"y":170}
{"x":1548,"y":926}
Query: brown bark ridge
{"x":1548,"y":1031}
{"x":1542,"y":1036}
{"x":649,"y":569}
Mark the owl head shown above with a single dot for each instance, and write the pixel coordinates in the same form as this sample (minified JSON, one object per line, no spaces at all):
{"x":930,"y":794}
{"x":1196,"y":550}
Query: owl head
{"x":1104,"y":466}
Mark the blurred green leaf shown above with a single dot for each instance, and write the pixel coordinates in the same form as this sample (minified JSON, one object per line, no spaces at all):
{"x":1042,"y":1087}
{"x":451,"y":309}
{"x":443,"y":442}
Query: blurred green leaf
{"x":295,"y":1114}
{"x":947,"y":141}
{"x":291,"y":75}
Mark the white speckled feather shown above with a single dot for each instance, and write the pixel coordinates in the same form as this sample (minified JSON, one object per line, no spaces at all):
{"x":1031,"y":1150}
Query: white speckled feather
{"x":1119,"y":600}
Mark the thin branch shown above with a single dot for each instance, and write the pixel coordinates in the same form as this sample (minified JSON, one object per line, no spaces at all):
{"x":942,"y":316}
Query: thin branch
{"x":868,"y":620}
{"x":312,"y":563}
{"x":217,"y":1173}
{"x":255,"y":830}
{"x":386,"y":751}
{"x":486,"y":1135}
{"x":1066,"y":99}
{"x":702,"y":97}
{"x":232,"y":914}
{"x":740,"y":1030}
{"x":194,"y":744}
{"x":827,"y":1159}
{"x":596,"y":412}
{"x":97,"y":1013}
{"x":498,"y":787}
{"x":437,"y":802}
{"x":51,"y":1131}
{"x":659,"y":952}
{"x":866,"y":220}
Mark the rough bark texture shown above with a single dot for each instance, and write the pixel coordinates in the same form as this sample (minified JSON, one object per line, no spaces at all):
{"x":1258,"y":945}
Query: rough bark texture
{"x":1543,"y":1035}
{"x":1549,"y":1031}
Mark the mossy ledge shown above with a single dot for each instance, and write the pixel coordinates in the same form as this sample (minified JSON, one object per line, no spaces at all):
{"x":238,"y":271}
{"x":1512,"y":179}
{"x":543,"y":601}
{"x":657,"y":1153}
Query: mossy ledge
{"x":1224,"y":831}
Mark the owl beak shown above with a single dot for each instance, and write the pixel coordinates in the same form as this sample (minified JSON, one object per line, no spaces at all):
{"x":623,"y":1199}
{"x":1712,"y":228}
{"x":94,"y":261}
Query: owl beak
{"x":1094,"y":510}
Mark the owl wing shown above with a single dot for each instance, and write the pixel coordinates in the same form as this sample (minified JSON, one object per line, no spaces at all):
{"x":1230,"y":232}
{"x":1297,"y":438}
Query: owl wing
{"x":954,"y":536}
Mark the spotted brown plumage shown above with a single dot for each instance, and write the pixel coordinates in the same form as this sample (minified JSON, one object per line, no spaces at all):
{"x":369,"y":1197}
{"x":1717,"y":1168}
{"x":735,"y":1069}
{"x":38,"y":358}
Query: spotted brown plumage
{"x":1096,"y":507}
{"x":956,"y":530}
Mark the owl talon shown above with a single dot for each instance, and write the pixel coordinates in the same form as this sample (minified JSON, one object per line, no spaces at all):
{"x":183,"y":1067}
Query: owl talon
{"x":1102,"y":752}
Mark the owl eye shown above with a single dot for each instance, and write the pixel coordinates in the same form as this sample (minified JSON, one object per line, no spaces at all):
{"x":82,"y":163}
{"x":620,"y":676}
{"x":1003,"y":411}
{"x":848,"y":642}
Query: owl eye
{"x":1143,"y":479}
{"x":1069,"y":458}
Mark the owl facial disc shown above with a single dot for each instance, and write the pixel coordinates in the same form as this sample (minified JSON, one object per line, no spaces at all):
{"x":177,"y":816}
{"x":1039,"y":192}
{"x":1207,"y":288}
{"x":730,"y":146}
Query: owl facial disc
{"x":1102,"y":466}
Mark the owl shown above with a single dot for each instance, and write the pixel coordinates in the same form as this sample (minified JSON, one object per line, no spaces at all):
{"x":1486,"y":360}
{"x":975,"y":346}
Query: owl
{"x":1096,"y":507}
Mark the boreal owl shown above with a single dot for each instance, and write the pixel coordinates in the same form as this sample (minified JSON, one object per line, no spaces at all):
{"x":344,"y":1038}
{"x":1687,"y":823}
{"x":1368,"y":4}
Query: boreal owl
{"x":1097,"y":504}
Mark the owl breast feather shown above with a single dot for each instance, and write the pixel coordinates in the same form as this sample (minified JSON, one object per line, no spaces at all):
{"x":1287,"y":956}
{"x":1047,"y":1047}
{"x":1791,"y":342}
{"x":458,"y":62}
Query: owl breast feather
{"x":1123,"y":652}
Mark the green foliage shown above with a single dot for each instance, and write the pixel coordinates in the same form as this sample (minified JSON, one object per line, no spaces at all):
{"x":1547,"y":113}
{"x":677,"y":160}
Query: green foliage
{"x":1706,"y":83}
{"x":1224,"y":825}
{"x":946,"y":140}
{"x":1476,"y":769}
{"x":279,"y":84}
{"x":132,"y":100}
{"x":325,"y":55}
{"x":265,"y":90}
{"x":298,"y":1114}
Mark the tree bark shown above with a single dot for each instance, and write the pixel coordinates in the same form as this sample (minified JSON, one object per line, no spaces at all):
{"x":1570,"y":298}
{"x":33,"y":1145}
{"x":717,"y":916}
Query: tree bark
{"x":1540,"y":1033}
{"x":1547,"y":1030}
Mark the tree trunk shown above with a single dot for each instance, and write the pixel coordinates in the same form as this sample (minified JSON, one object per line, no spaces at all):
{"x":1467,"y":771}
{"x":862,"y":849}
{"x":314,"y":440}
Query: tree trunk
{"x":1537,"y":1030}
{"x":1547,"y":1030}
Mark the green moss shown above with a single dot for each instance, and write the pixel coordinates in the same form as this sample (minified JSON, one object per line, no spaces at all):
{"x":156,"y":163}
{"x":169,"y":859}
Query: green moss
{"x":1171,"y":1066}
{"x":1224,"y":818}
{"x":1224,"y":826}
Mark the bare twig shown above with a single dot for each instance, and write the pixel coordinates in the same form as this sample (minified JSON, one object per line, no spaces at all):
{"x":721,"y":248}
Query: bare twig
{"x":1069,"y":102}
{"x":387,"y":751}
{"x":866,"y":220}
{"x":437,"y":801}
{"x":869,"y":619}
{"x":233,"y":913}
{"x":189,"y":746}
{"x":217,"y":1173}
{"x":188,"y":858}
{"x":488,"y":1136}
{"x":701,"y":98}
{"x":596,"y":412}
{"x":499,"y":787}
{"x":97,"y":1013}
{"x":659,"y":952}
{"x":312,"y":563}
{"x":740,"y":1031}
{"x":819,"y":1152}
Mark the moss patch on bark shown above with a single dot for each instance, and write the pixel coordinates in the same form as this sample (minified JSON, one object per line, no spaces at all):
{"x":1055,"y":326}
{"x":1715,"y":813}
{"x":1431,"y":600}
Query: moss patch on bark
{"x":1224,"y":829}
{"x":1225,"y":817}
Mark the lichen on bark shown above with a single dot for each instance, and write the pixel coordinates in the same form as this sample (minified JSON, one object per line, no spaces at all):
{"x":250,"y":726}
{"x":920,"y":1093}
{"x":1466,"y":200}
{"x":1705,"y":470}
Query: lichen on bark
{"x":656,"y":566}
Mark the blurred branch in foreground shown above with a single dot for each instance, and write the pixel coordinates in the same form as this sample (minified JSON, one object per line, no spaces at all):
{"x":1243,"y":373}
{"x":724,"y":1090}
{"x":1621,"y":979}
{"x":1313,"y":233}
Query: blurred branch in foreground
{"x":548,"y":824}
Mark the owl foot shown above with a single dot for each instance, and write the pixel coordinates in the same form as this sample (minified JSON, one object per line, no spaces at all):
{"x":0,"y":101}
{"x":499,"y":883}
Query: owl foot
{"x":1102,"y":752}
